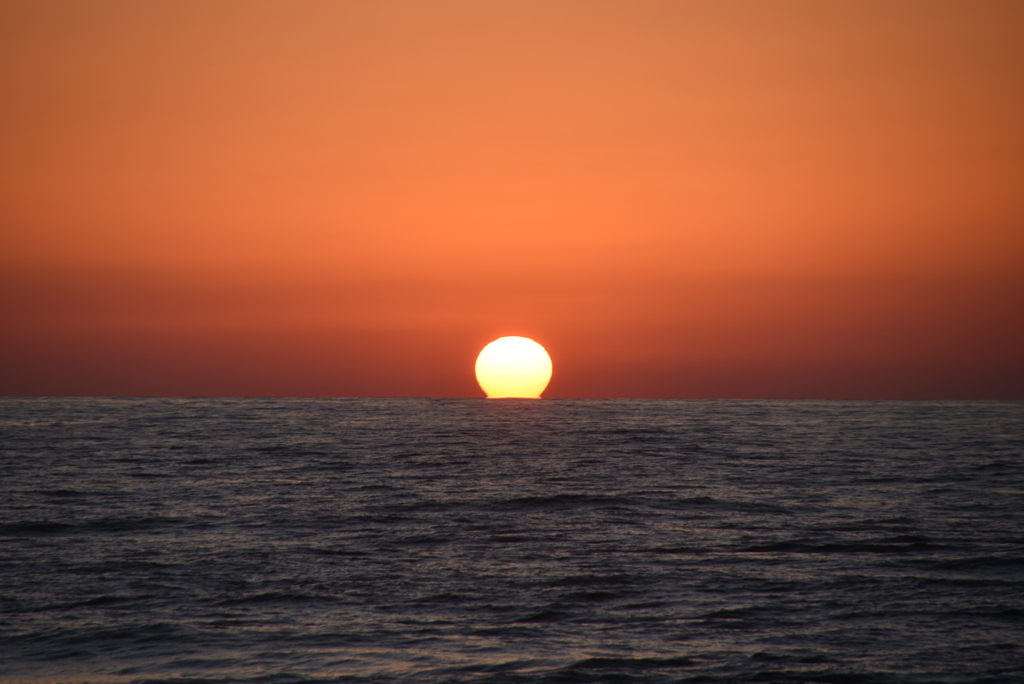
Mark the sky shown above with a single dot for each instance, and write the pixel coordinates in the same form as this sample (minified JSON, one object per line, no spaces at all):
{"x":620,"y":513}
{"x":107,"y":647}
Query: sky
{"x":721,"y":199}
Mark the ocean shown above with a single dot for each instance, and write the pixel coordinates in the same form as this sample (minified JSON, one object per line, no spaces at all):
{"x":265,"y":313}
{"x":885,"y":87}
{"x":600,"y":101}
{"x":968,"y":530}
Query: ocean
{"x":472,"y":540}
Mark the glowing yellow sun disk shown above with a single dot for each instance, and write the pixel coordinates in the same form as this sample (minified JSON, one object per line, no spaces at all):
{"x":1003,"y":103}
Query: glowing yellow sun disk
{"x":513,"y":367}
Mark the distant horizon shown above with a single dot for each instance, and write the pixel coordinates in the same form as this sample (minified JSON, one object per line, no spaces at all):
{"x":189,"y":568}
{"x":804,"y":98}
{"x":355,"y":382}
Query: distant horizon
{"x":505,"y":399}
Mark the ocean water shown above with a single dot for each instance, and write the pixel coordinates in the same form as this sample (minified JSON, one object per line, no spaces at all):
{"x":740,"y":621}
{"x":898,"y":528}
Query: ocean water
{"x":286,"y":540}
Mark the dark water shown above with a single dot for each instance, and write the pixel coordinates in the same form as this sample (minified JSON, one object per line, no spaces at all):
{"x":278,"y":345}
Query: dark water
{"x":511,"y":541}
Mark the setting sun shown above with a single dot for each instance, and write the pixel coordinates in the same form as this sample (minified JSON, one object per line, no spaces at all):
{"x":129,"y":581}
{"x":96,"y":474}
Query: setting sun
{"x":513,"y":367}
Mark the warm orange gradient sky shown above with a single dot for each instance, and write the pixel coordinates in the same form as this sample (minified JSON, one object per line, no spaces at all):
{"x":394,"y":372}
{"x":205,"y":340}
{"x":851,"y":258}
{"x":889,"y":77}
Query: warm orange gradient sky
{"x":677,"y":199}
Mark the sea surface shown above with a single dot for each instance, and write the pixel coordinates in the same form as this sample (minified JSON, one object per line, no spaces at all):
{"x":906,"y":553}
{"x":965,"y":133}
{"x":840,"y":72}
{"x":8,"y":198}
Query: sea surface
{"x":392,"y":540}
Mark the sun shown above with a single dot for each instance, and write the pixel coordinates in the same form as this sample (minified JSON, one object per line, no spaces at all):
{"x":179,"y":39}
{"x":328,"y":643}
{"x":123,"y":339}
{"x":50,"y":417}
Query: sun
{"x":513,"y":367}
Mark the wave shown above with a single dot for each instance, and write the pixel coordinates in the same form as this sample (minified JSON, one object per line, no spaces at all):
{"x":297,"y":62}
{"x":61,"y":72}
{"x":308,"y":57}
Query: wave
{"x":799,"y":546}
{"x":980,"y":563}
{"x":276,"y":597}
{"x":632,"y":663}
{"x":591,"y":580}
{"x":47,"y":527}
{"x":724,"y":505}
{"x":560,"y":501}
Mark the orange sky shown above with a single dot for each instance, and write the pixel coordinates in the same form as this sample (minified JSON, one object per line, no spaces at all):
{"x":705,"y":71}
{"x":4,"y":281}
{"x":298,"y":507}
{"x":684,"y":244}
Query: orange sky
{"x":677,"y":199}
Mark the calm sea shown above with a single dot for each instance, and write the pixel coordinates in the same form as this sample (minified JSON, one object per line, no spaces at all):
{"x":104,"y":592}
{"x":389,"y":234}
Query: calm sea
{"x":287,"y":540}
